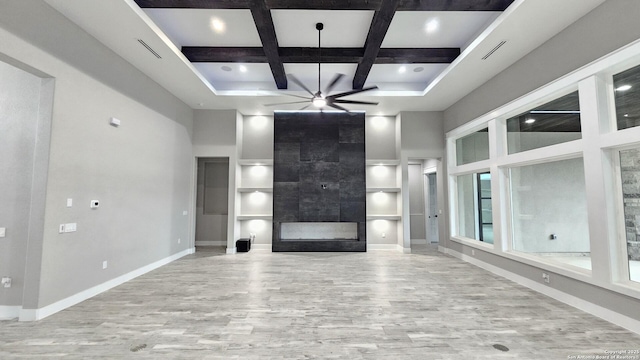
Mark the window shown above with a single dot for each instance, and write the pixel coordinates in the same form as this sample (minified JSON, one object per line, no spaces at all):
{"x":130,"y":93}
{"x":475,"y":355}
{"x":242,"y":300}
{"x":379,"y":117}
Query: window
{"x":473,"y":147}
{"x":553,"y":123}
{"x":627,"y":97}
{"x":549,"y":211}
{"x":630,"y":178}
{"x":475,"y":220}
{"x":485,"y":213}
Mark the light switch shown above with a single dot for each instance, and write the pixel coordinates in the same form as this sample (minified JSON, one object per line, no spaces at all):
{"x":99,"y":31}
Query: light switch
{"x":71,"y":227}
{"x":69,"y":202}
{"x":3,"y":232}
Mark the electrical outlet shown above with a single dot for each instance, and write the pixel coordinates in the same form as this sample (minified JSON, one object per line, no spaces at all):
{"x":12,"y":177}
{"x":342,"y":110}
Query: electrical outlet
{"x":104,"y":264}
{"x":69,"y":202}
{"x":179,"y":240}
{"x":185,"y":212}
{"x":384,"y":235}
{"x":473,"y":252}
{"x":545,"y":277}
{"x":6,"y":282}
{"x":3,"y":232}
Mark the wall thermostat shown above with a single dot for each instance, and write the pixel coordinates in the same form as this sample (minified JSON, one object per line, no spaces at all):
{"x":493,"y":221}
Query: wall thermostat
{"x":95,"y":204}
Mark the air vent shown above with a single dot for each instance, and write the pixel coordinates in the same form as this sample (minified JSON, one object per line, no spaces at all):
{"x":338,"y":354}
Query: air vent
{"x":494,"y":49}
{"x":149,"y":48}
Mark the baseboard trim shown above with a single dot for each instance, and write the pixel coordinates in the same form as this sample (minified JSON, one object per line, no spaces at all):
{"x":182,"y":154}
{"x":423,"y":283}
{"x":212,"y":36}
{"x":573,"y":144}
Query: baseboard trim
{"x":41,"y":313}
{"x":261,"y":247}
{"x":211,"y":243}
{"x":9,"y":312}
{"x":232,"y":250}
{"x":382,"y":247}
{"x":404,"y":250}
{"x":581,"y":304}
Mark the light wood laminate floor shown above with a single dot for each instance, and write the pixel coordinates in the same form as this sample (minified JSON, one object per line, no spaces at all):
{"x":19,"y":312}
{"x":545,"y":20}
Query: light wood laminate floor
{"x":260,"y":305}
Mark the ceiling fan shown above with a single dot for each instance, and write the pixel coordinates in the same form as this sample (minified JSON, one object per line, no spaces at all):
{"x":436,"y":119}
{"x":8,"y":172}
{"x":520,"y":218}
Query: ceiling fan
{"x":321,"y":99}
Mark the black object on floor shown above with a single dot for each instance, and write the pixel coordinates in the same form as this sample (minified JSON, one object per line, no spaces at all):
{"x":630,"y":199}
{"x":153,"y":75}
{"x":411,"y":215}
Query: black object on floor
{"x":243,"y":245}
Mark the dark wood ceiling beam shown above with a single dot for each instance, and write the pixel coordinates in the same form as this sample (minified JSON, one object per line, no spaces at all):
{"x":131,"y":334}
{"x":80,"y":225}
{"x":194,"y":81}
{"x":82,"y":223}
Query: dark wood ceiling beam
{"x":417,"y":56}
{"x":454,"y":5}
{"x":305,"y":55}
{"x":264,"y":24}
{"x":403,"y":5}
{"x":194,"y":4}
{"x":377,"y":31}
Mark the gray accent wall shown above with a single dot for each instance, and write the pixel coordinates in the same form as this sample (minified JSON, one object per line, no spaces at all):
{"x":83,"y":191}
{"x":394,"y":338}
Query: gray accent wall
{"x":319,"y":176}
{"x":141,"y":172}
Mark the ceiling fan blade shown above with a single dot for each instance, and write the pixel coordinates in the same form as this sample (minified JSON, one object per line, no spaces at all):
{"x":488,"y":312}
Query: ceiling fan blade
{"x":299,"y":83}
{"x":333,"y":83}
{"x":304,"y":108}
{"x":286,"y":103}
{"x":354,"y":102}
{"x":351,"y":92}
{"x":337,"y":107}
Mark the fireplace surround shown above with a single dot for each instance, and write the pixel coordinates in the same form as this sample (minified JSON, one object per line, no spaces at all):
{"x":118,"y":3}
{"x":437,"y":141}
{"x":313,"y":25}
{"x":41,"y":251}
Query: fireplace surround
{"x":319,"y":186}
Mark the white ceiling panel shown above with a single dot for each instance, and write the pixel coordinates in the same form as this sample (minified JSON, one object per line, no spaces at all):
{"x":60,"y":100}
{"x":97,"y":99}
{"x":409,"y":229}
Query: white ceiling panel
{"x":308,"y":75}
{"x":416,"y":29}
{"x":197,"y":27}
{"x":234,"y":72}
{"x":346,"y":28}
{"x":410,"y":73}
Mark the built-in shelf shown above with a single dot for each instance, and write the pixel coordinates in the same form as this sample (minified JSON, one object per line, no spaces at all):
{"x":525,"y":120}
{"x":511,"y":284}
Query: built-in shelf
{"x":255,"y":161}
{"x":255,"y":217}
{"x":383,"y":217}
{"x":383,"y":162}
{"x":255,"y":189}
{"x":384,"y":189}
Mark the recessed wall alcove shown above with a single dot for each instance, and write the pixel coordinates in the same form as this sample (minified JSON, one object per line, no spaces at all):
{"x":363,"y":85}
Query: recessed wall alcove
{"x":319,"y":182}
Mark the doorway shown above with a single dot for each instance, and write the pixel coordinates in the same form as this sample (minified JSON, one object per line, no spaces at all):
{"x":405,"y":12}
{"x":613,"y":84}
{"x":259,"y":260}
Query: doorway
{"x":431,"y":186}
{"x":212,"y":202}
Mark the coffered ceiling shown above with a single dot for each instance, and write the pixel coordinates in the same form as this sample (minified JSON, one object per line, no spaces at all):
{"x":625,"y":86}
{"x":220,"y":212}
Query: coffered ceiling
{"x":421,"y":54}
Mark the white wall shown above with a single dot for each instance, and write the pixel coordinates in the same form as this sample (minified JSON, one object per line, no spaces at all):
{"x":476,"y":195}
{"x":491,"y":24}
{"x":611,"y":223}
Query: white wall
{"x":421,"y":137}
{"x":380,"y":138}
{"x":19,"y":103}
{"x":141,"y":172}
{"x":257,"y":137}
{"x":216,"y":133}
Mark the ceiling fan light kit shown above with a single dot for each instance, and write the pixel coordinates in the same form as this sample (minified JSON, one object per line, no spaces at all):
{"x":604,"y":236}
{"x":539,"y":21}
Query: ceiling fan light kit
{"x":321,"y":99}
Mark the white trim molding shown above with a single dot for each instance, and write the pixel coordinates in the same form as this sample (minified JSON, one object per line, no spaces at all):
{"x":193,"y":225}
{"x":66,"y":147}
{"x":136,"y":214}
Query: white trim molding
{"x":581,"y":304}
{"x":9,"y":312}
{"x":382,"y":247}
{"x":231,"y":250}
{"x":41,"y":313}
{"x":211,"y":243}
{"x":261,"y":247}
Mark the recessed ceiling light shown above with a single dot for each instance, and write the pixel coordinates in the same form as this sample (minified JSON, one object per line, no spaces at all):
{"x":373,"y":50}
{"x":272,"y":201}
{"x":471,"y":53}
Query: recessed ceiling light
{"x":418,"y":69}
{"x":226,"y":68}
{"x":402,"y":69}
{"x":432,"y":26}
{"x":626,"y":115}
{"x":530,"y":121}
{"x":243,"y":68}
{"x":623,"y":88}
{"x":217,"y":25}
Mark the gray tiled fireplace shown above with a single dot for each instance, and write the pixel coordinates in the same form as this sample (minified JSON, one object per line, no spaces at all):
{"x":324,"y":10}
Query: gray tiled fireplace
{"x":319,"y":177}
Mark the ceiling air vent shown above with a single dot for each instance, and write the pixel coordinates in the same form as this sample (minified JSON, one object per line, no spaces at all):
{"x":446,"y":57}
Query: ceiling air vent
{"x":494,"y":49}
{"x":149,"y":48}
